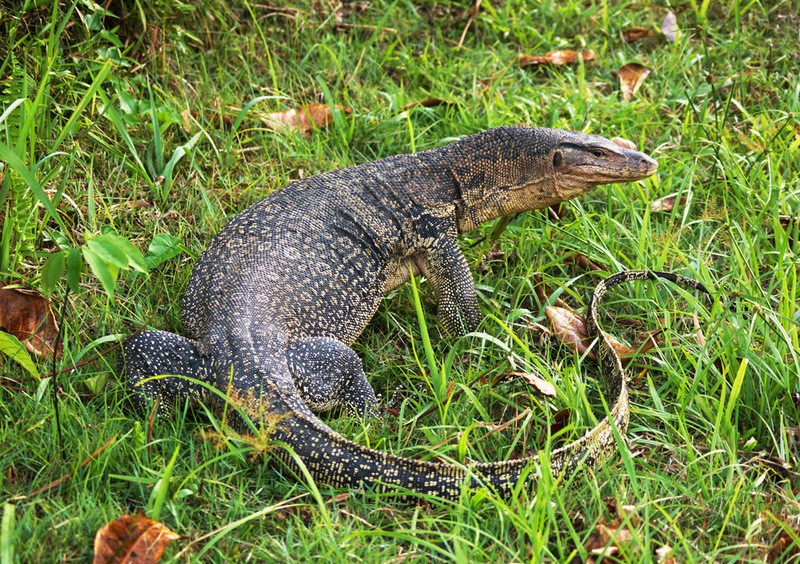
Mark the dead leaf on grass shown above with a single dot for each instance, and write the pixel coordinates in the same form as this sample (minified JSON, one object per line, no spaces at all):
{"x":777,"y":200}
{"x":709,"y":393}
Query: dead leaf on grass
{"x":582,"y":261}
{"x":569,"y":328}
{"x":626,"y":353}
{"x":607,"y":539}
{"x":28,"y":316}
{"x":624,"y":143}
{"x":542,"y":386}
{"x":667,"y":203}
{"x":670,"y":27}
{"x":132,"y":539}
{"x":339,"y":498}
{"x":784,"y":549}
{"x":631,"y":77}
{"x":699,"y":336}
{"x":303,"y":119}
{"x":636,"y":33}
{"x":544,"y":293}
{"x":429,"y":103}
{"x":556,"y":58}
{"x":664,"y":555}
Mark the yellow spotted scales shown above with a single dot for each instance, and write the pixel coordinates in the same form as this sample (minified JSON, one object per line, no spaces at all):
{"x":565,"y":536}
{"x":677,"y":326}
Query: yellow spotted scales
{"x":281,"y":293}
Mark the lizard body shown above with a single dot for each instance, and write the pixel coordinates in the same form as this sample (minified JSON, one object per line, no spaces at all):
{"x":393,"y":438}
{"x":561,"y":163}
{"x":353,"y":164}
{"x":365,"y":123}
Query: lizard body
{"x":284,"y":289}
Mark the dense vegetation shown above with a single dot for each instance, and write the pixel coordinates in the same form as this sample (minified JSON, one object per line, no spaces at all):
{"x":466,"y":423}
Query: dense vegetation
{"x":150,"y":121}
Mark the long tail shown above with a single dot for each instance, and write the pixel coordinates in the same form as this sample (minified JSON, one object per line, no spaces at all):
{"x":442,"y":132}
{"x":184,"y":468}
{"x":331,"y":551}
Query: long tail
{"x":336,"y":461}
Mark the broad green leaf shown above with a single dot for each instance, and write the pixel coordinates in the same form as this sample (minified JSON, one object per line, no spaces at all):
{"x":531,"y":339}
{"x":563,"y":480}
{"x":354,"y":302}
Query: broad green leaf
{"x":135,"y":258}
{"x":52,"y":271}
{"x":74,"y":269}
{"x":11,"y":347}
{"x":105,"y":272}
{"x":118,"y":251}
{"x":96,"y":383}
{"x":107,"y":251}
{"x":162,"y":248}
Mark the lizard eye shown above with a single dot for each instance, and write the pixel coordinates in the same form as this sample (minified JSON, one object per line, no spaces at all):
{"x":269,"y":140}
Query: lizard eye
{"x":598,"y":153}
{"x":557,"y":158}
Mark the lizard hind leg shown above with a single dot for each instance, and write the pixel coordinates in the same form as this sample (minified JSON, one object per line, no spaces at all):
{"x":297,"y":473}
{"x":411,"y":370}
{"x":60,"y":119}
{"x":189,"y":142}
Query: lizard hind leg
{"x":327,"y":374}
{"x":158,"y":353}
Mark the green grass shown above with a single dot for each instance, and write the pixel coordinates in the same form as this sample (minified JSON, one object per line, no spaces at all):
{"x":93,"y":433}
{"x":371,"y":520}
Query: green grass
{"x":95,"y":108}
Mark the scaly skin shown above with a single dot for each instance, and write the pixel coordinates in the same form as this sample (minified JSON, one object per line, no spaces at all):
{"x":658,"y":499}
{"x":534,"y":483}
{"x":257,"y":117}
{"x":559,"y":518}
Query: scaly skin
{"x":281,"y":293}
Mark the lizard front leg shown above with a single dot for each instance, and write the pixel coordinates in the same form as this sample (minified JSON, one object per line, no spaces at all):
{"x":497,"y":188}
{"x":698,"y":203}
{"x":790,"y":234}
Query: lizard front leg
{"x":445,"y":267}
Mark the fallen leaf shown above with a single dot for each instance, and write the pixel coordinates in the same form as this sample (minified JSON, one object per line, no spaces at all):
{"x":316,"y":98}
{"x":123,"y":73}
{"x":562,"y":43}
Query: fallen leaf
{"x":636,"y":33}
{"x":556,"y":58}
{"x":557,"y":211}
{"x":784,"y":549}
{"x":543,"y":386}
{"x":625,"y":352}
{"x":569,"y":328}
{"x":560,"y":420}
{"x":544,"y":293}
{"x":631,"y":77}
{"x":339,"y":498}
{"x":664,"y":555}
{"x":606,"y":539}
{"x":624,"y":143}
{"x":27,"y":315}
{"x":786,"y":221}
{"x":429,"y":103}
{"x":670,"y":27}
{"x":582,"y":261}
{"x":132,"y":539}
{"x":699,"y":336}
{"x":186,"y":120}
{"x":303,"y":119}
{"x":667,"y":203}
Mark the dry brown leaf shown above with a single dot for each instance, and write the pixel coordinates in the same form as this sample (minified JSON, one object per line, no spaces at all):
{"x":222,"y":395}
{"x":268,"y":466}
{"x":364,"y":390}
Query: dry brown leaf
{"x":626,"y":353}
{"x":670,"y":27}
{"x":624,"y":143}
{"x":699,"y":336}
{"x":638,"y":34}
{"x":582,"y":261}
{"x":667,"y":203}
{"x":543,"y":386}
{"x":664,"y":555}
{"x":607,"y":538}
{"x":569,"y":328}
{"x":784,"y":549}
{"x":429,"y":103}
{"x":27,"y":315}
{"x":186,"y":120}
{"x":339,"y":498}
{"x":556,"y":211}
{"x":132,"y":539}
{"x":631,"y":77}
{"x":544,"y":293}
{"x":556,"y":58}
{"x":303,"y":119}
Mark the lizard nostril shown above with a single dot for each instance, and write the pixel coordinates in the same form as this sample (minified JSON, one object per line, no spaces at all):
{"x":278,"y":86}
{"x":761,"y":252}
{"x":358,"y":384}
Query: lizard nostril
{"x":647,"y":162}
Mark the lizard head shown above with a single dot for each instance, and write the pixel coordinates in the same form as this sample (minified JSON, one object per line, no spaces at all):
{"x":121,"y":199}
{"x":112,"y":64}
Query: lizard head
{"x":512,"y":169}
{"x":582,"y":161}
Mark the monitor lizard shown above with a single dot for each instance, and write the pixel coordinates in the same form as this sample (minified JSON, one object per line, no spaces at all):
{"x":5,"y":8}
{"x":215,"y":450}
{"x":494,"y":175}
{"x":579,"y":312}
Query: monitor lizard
{"x":284,"y":289}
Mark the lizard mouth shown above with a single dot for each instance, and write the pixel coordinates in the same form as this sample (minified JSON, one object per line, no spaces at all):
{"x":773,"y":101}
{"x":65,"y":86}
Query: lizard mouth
{"x":647,"y":165}
{"x":635,"y":167}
